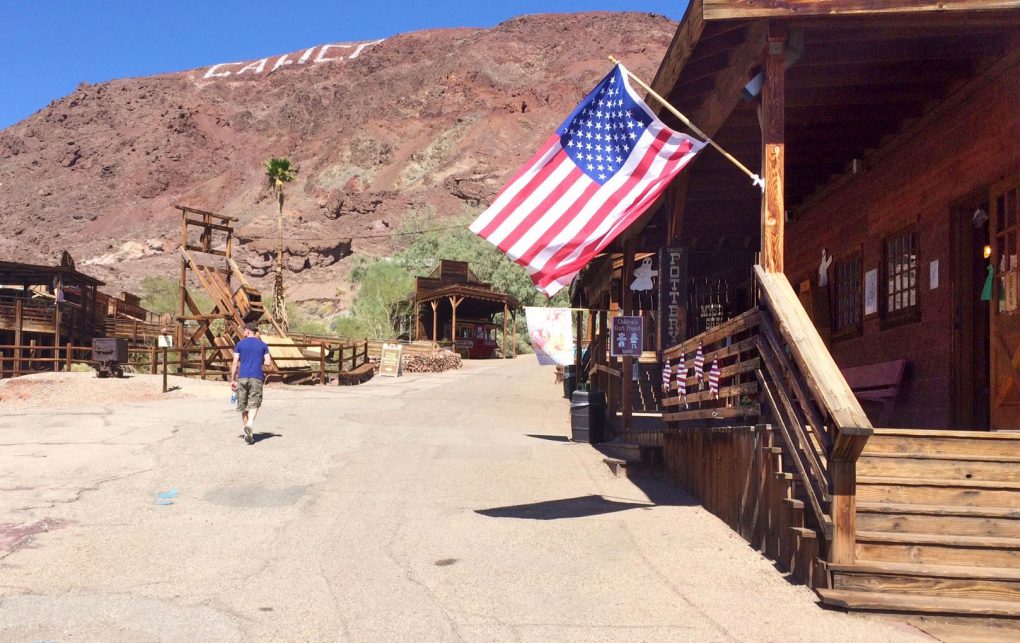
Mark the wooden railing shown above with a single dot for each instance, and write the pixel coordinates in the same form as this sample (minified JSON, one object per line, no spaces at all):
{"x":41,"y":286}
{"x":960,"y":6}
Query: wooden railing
{"x":732,"y":345}
{"x":204,"y":362}
{"x":773,"y":364}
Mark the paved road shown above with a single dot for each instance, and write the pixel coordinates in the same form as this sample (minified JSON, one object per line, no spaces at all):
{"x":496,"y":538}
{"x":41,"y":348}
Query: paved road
{"x":442,"y":507}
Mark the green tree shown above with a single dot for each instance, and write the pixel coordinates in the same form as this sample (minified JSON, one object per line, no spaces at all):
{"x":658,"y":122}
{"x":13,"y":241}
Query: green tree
{"x":278,"y":172}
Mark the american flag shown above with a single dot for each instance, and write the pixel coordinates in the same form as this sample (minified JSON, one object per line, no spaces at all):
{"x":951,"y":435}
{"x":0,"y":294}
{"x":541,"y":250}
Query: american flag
{"x":666,"y":372}
{"x":713,"y":379}
{"x":699,"y":364}
{"x":681,"y":378}
{"x":604,"y":166}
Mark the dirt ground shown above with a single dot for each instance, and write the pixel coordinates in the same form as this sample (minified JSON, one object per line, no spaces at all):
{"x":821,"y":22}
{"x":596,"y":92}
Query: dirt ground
{"x":430,"y":507}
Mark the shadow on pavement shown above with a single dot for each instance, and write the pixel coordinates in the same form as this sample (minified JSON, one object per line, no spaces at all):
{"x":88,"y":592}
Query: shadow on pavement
{"x":579,"y":507}
{"x":265,"y":436}
{"x":553,"y":438}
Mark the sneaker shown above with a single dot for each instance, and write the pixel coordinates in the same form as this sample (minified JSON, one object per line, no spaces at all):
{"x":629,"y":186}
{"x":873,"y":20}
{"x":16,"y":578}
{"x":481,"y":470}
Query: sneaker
{"x":248,"y":437}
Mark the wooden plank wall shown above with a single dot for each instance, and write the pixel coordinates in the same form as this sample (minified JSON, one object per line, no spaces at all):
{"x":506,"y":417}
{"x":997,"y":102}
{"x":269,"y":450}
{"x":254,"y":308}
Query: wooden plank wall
{"x":962,"y":150}
{"x":736,"y":473}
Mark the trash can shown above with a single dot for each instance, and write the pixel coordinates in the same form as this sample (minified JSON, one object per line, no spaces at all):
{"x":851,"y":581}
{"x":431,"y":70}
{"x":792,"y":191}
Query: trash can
{"x":588,"y":416}
{"x":569,"y":379}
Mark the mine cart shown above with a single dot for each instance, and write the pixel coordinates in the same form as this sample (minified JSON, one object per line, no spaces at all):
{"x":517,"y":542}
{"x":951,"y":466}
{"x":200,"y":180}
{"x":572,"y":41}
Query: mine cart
{"x":108,"y":354}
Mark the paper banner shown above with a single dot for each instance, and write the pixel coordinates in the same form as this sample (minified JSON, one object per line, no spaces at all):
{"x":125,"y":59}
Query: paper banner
{"x":550,"y":331}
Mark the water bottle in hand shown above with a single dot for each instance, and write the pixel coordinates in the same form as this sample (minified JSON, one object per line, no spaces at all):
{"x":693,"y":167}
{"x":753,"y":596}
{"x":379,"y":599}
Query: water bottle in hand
{"x":233,"y":398}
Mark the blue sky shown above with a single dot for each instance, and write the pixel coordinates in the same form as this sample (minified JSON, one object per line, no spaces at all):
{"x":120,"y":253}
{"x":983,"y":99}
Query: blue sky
{"x":52,"y":45}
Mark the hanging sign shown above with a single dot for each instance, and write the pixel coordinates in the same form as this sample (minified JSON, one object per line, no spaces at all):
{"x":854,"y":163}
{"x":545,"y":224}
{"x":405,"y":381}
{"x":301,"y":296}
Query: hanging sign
{"x":550,"y":332}
{"x":672,"y":295}
{"x":165,"y":341}
{"x":627,"y":336}
{"x":390,"y":362}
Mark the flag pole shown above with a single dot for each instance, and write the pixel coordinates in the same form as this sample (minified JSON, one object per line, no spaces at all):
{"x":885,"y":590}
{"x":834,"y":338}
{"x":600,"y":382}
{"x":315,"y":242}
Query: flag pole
{"x":757,"y":180}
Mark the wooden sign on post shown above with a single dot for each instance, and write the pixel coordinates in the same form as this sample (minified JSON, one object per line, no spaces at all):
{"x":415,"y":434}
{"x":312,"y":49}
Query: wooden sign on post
{"x":390,"y":362}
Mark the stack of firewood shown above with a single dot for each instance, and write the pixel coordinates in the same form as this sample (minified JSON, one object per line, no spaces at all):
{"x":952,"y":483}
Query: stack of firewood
{"x":437,"y":362}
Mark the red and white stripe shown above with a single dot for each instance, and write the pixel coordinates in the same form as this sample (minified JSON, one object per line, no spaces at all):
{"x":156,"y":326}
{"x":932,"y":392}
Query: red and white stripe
{"x":713,"y":379}
{"x":699,"y":364}
{"x":681,"y":378}
{"x":667,"y":371}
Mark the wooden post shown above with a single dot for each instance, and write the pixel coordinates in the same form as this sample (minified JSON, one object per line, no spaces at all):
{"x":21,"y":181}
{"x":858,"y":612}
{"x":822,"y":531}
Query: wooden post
{"x":417,"y":319}
{"x":164,"y":369}
{"x":152,"y":360}
{"x":201,"y":364}
{"x":603,"y":378}
{"x":513,"y":335}
{"x":454,"y":302}
{"x":69,"y":356}
{"x":322,"y":362}
{"x":435,"y":320}
{"x":506,"y":312}
{"x":19,"y":317}
{"x":626,"y":383}
{"x":579,"y":320}
{"x":844,"y":512}
{"x":773,"y":209}
{"x":56,"y":336}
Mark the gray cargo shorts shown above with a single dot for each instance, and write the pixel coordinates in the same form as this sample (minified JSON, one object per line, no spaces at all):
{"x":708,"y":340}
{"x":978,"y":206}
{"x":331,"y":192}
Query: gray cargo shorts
{"x":249,"y":393}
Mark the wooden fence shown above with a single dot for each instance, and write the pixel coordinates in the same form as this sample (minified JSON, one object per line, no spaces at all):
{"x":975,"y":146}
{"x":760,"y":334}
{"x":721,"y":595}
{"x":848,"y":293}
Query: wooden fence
{"x":772,"y":367}
{"x":204,"y":362}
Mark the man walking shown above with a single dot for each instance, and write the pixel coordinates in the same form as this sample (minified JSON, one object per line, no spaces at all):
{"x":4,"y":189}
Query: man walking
{"x":250,"y":355}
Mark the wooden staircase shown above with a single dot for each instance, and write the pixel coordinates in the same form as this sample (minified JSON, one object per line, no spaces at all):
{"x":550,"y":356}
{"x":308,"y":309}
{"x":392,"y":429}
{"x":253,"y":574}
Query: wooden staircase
{"x":938,"y":525}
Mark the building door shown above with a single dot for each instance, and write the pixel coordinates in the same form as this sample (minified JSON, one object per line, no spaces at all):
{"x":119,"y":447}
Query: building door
{"x":971,"y":323}
{"x":1005,"y":316}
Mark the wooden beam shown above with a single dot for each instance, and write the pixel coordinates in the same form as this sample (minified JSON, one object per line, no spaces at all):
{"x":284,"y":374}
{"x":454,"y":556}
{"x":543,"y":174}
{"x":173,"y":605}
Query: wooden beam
{"x":626,"y":382}
{"x":435,"y":320}
{"x":737,"y":9}
{"x":773,"y":152}
{"x":680,"y":49}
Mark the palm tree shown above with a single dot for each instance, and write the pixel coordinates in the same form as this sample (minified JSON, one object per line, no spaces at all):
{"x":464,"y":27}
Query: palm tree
{"x":279,"y":171}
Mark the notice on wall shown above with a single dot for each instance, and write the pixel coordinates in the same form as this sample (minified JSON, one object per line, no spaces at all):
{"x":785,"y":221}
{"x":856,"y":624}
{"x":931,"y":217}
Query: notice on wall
{"x":165,"y":341}
{"x":627,"y":336}
{"x":871,"y":292}
{"x":933,"y":275}
{"x":390,"y":362}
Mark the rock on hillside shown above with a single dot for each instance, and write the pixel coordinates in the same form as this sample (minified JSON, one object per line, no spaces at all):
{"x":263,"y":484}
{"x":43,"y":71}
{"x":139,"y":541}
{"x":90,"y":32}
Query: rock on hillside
{"x":432,"y":121}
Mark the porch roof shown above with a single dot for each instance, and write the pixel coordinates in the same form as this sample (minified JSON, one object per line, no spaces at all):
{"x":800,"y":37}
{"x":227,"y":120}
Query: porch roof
{"x":867,"y":74}
{"x":12,"y":272}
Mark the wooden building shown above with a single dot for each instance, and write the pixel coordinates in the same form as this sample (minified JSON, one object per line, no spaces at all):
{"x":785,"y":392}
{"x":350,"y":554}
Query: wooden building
{"x":47,"y":305}
{"x":453,"y":307}
{"x":888,"y":135}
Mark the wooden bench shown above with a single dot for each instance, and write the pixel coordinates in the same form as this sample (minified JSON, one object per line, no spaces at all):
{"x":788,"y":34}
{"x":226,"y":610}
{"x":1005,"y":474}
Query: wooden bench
{"x":877,"y":383}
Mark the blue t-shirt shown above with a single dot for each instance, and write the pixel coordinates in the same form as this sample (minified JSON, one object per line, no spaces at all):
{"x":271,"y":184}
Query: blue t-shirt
{"x":252,"y":351}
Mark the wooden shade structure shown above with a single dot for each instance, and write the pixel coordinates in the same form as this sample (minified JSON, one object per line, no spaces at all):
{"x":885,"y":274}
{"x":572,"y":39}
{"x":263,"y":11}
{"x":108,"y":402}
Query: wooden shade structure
{"x":452,"y":290}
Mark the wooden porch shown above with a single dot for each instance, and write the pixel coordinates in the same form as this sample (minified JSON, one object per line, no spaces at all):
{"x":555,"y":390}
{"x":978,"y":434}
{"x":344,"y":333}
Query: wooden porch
{"x":847,"y":104}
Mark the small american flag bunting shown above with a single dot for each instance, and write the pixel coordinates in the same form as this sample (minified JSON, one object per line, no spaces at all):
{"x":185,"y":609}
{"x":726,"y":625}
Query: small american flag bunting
{"x":713,"y":379}
{"x":699,"y":364}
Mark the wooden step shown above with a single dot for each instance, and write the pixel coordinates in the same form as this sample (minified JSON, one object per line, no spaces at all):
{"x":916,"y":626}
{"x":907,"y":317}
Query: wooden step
{"x":942,"y":466}
{"x":938,"y":549}
{"x":935,"y":519}
{"x":890,"y":602}
{"x":922,"y":491}
{"x":919,"y":580}
{"x":960,"y":443}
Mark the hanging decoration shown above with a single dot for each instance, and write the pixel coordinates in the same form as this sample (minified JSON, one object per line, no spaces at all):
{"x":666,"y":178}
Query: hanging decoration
{"x":681,"y":378}
{"x":666,"y":372}
{"x":699,"y":364}
{"x":713,"y":379}
{"x":986,"y":291}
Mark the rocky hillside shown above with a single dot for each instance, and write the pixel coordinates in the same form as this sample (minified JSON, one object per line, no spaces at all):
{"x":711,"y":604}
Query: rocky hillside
{"x":430,"y":122}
